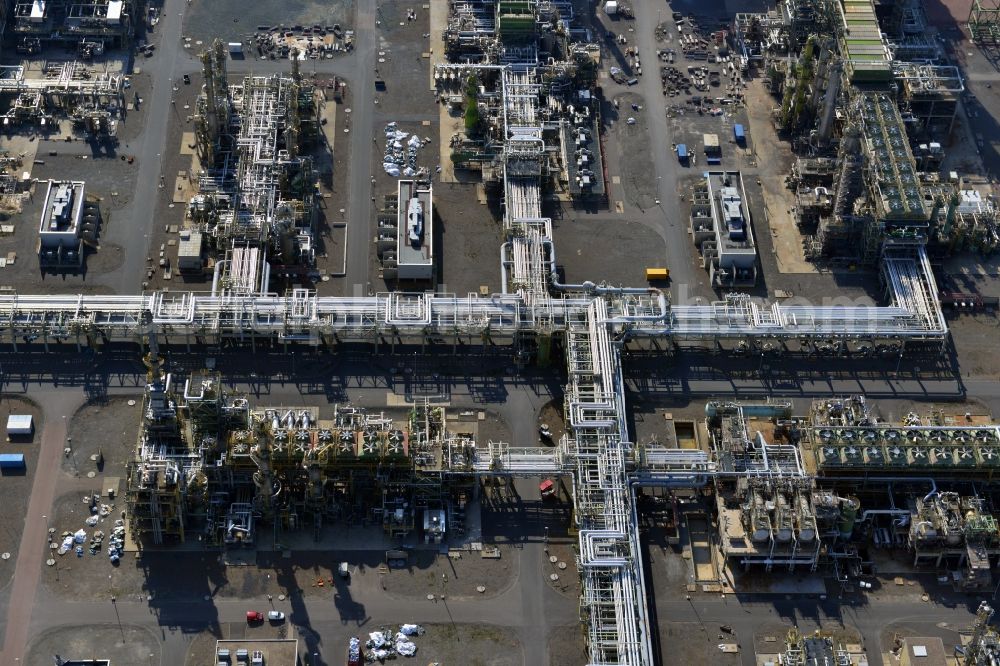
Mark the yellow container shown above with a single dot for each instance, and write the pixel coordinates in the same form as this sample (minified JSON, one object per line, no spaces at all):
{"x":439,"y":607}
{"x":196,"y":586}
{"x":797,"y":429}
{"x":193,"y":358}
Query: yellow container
{"x":654,"y":274}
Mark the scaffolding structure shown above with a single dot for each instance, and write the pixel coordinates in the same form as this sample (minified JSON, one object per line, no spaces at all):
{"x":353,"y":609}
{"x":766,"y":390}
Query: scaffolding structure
{"x":984,"y":646}
{"x":255,"y":198}
{"x":929,"y":96}
{"x":75,"y":89}
{"x":68,"y":21}
{"x":471,"y":28}
{"x":984,"y":22}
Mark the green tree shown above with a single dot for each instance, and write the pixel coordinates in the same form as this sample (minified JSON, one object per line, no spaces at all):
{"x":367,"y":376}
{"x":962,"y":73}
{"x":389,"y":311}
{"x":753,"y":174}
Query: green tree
{"x":471,"y":117}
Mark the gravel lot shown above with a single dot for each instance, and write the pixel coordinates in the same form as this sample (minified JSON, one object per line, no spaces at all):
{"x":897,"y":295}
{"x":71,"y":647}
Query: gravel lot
{"x":232,"y":20}
{"x":432,"y":573}
{"x":609,"y":250}
{"x":470,"y":645}
{"x":85,"y":641}
{"x":568,"y":646}
{"x":638,"y":177}
{"x":109,"y":428}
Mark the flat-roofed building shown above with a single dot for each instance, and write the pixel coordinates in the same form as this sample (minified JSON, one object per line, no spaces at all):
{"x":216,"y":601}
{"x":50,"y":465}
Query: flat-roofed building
{"x":720,"y":225}
{"x":59,"y":241}
{"x":263,"y":652}
{"x":415,"y":231}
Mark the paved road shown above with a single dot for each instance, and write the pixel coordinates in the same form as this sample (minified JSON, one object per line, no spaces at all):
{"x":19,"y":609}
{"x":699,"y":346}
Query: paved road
{"x":361,"y":210}
{"x":32,"y":551}
{"x":162,"y":69}
{"x":665,"y":218}
{"x":674,"y":228}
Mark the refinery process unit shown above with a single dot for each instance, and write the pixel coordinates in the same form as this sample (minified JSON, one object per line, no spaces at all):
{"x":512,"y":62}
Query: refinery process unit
{"x":762,"y":438}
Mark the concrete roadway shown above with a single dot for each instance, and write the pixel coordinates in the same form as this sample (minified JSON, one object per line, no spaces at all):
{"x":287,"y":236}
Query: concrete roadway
{"x":162,"y":69}
{"x":33,"y":548}
{"x":673,"y":227}
{"x":664,"y":218}
{"x":361,"y":210}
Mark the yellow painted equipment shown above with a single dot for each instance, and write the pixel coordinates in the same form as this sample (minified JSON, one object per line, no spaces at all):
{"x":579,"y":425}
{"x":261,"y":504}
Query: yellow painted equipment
{"x":654,"y":274}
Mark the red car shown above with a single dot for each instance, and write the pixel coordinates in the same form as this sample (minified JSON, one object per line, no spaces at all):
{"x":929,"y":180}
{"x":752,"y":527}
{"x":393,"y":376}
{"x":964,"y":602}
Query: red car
{"x":254,"y":616}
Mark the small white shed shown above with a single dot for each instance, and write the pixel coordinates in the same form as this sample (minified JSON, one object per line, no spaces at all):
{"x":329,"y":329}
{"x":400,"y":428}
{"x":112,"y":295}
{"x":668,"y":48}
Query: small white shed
{"x":20,"y":424}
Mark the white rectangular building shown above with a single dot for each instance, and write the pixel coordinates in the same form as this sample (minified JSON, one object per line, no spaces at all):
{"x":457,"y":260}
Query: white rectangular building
{"x":415,"y":231}
{"x":37,"y":11}
{"x":60,"y":223}
{"x":721,"y":228}
{"x":114,"y":16}
{"x":20,"y":424}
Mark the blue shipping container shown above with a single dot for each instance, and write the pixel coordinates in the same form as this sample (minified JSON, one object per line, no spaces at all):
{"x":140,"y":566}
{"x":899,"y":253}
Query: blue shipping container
{"x":11,"y":461}
{"x":682,"y":152}
{"x":738,"y":134}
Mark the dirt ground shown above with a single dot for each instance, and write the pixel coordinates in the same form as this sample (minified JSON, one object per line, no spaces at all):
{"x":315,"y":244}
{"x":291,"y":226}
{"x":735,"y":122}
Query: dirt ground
{"x":74,"y":577}
{"x":15,"y":487}
{"x":568,"y":583}
{"x":567,"y":646}
{"x":609,"y":250}
{"x":638,"y":181}
{"x":109,"y":428}
{"x":138,"y":646}
{"x":693,"y":643}
{"x":775,"y":160}
{"x":974,"y":337}
{"x":202,"y":647}
{"x":471,"y":235}
{"x":475,"y":645}
{"x":232,"y":20}
{"x":472,"y":645}
{"x":551,"y":415}
{"x":432,"y":573}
